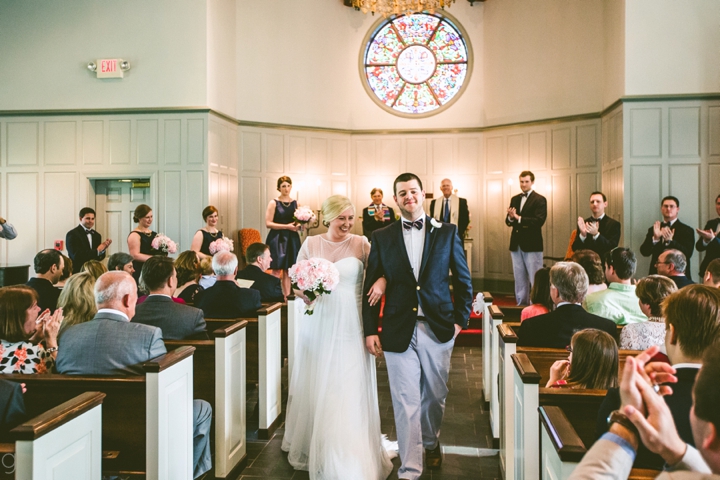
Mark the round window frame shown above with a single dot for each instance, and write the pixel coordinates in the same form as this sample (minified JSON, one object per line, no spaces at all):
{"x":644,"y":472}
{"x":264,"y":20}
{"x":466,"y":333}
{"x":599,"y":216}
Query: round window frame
{"x":375,"y":28}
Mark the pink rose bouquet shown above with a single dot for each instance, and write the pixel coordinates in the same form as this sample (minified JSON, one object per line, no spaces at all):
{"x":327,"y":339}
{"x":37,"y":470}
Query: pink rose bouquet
{"x":223,"y":244}
{"x":163,"y":243}
{"x":315,"y":277}
{"x":304,"y":215}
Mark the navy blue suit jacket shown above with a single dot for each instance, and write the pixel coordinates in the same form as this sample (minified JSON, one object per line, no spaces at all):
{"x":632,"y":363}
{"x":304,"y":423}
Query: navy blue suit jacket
{"x":443,"y":252}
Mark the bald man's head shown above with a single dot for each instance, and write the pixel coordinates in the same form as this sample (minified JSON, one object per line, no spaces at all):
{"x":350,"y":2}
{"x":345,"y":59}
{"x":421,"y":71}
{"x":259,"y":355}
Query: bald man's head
{"x":116,"y":290}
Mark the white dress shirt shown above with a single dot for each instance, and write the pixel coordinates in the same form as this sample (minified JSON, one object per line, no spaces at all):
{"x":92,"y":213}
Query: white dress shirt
{"x":414,"y":245}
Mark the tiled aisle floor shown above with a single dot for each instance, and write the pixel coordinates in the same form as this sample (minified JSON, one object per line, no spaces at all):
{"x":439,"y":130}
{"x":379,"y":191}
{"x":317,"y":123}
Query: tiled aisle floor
{"x":465,"y":434}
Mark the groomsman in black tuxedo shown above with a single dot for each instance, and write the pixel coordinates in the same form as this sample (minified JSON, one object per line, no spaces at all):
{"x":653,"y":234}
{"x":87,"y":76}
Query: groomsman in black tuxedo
{"x":598,"y":232}
{"x":709,"y":241}
{"x":669,"y":234}
{"x":84,"y":243}
{"x":526,"y":216}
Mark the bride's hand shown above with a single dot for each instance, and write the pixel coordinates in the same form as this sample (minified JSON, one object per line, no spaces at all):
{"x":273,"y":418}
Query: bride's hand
{"x":377,"y":291}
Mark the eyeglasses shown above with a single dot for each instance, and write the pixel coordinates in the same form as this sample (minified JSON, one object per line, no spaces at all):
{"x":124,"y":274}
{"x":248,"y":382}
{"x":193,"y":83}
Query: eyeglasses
{"x":569,"y":348}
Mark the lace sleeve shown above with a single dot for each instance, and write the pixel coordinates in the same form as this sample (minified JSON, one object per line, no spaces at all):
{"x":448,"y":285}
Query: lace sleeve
{"x":304,"y":253}
{"x":365,"y":250}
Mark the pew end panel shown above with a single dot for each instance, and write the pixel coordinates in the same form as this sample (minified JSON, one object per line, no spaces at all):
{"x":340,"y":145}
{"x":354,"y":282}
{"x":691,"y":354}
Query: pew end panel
{"x":560,"y":447}
{"x":62,"y":443}
{"x":487,"y":382}
{"x":495,"y":318}
{"x":525,"y":397}
{"x":169,"y":407}
{"x":269,"y":369}
{"x":507,"y":347}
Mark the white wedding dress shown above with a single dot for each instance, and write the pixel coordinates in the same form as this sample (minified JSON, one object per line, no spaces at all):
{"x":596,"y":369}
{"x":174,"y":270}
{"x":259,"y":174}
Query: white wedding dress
{"x":332,"y":426}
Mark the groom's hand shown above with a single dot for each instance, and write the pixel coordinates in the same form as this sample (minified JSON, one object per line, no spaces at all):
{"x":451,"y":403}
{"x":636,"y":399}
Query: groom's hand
{"x":372,"y":343}
{"x":458,"y":329}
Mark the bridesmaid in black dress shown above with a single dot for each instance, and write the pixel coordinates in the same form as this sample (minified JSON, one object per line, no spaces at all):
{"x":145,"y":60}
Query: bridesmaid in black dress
{"x":283,"y":239}
{"x":140,"y":239}
{"x":208,"y":234}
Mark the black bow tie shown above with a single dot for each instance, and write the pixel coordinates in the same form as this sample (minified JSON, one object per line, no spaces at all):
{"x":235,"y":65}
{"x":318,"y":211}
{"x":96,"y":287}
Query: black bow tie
{"x":417,"y":224}
{"x":665,"y":224}
{"x":88,"y":230}
{"x":526,"y":194}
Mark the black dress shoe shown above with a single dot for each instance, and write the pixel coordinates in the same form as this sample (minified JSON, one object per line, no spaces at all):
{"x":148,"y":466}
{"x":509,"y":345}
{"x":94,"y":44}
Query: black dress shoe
{"x":434,"y":457}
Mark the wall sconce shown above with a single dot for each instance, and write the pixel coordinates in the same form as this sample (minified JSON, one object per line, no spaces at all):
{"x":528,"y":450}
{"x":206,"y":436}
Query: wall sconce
{"x":109,"y":67}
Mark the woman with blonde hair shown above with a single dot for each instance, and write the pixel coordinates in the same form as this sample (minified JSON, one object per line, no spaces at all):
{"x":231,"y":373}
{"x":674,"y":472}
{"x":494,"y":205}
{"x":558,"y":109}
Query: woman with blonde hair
{"x":94,"y":269}
{"x":592,"y":364}
{"x":651,"y":291}
{"x":78,"y":300}
{"x":334,"y":381}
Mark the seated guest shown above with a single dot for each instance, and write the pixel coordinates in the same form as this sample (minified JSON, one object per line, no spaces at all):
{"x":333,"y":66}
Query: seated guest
{"x":590,"y":261}
{"x":158,"y":310}
{"x":619,"y":302}
{"x":12,"y":407}
{"x":644,"y":417}
{"x":207,"y":279}
{"x":651,"y":291}
{"x":692,"y":315}
{"x":67,"y":272}
{"x":21,"y":332}
{"x":539,"y":296}
{"x":712,"y":274}
{"x":226,"y":299}
{"x":258,"y":260}
{"x":671,"y":264}
{"x":77,"y":300}
{"x":110,"y":344}
{"x":188,"y":271}
{"x":121,"y":261}
{"x":94,"y":268}
{"x":48,"y":266}
{"x":593,"y":362}
{"x":568,"y":284}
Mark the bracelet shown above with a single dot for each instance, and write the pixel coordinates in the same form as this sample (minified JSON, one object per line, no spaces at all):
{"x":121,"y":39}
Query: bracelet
{"x":51,"y":349}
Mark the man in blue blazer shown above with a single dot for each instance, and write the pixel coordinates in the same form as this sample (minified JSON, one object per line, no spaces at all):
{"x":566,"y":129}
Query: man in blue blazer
{"x":83,"y":243}
{"x":420,"y":321}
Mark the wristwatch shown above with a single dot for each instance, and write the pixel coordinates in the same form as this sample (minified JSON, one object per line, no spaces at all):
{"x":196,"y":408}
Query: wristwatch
{"x":616,"y":416}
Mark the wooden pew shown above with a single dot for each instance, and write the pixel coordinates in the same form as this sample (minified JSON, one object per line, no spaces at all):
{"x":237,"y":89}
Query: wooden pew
{"x":562,"y":448}
{"x":58,"y":443}
{"x":147,"y":420}
{"x":219,"y":378}
{"x":487,"y":375}
{"x":495,"y":318}
{"x":264,"y":362}
{"x":531,"y":373}
{"x":512,"y":312}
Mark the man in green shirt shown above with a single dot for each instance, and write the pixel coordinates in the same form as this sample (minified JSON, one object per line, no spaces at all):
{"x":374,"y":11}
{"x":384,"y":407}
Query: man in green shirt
{"x":618,"y":302}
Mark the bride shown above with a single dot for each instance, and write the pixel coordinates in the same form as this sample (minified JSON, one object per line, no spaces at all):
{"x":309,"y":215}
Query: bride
{"x":332,"y":427}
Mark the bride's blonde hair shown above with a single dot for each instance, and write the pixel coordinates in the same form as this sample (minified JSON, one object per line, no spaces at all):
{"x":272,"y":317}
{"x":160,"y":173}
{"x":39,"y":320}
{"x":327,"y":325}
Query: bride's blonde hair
{"x":333,"y":206}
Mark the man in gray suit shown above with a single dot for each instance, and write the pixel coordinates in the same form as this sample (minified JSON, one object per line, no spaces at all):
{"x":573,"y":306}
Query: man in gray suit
{"x":110,"y":344}
{"x":177,"y":321}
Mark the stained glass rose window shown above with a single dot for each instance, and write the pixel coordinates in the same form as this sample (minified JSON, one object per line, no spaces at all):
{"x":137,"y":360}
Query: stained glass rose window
{"x":414,"y":65}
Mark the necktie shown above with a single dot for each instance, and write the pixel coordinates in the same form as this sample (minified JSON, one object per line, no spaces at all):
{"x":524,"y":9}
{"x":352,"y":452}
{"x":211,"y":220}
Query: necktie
{"x":417,"y":224}
{"x":446,"y":214}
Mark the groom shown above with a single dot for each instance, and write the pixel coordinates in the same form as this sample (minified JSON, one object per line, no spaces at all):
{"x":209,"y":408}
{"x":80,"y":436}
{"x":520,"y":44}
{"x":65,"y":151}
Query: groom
{"x":420,"y":320}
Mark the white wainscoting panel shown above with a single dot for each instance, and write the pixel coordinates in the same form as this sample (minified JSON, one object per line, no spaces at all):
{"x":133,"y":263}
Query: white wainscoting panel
{"x":516,"y":152}
{"x":147,"y":142}
{"x":172,"y":141}
{"x":340,"y":158}
{"x":22,"y":143}
{"x":442,"y":156}
{"x":714,"y":131}
{"x":561,"y":146}
{"x":645,"y":132}
{"x":251,"y":152}
{"x":684,"y":127}
{"x":60,"y":143}
{"x":275,"y":153}
{"x":495,"y":154}
{"x":645,"y":195}
{"x":685,"y":185}
{"x":120,"y":142}
{"x":587,"y":145}
{"x":468,"y":158}
{"x":22,"y":199}
{"x":317,"y":160}
{"x":298,"y":154}
{"x":171,"y":202}
{"x":60,"y":209}
{"x":92,"y":142}
{"x":416,"y":154}
{"x":196,"y":135}
{"x":537,"y":150}
{"x":560,"y":203}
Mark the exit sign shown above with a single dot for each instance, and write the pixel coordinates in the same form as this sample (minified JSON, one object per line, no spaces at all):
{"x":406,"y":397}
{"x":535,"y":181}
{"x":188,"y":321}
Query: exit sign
{"x":109,"y":68}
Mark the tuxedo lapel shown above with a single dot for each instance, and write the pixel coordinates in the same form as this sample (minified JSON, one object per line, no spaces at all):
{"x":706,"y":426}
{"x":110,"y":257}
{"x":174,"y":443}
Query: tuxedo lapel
{"x":430,"y":236}
{"x":400,"y":241}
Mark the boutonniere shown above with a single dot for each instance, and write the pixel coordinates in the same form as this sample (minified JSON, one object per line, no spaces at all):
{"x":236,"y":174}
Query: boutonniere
{"x":435,"y":224}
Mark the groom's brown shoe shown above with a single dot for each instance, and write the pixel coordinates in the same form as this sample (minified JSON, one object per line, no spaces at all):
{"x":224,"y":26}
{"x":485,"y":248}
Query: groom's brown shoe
{"x":434,"y":457}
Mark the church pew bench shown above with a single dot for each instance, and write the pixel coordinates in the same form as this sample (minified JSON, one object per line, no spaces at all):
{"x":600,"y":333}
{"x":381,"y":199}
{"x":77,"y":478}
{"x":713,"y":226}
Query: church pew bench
{"x":512,"y":312}
{"x":147,"y":420}
{"x":495,"y":318}
{"x":58,"y":444}
{"x":219,"y":378}
{"x":561,"y":448}
{"x":486,"y":328}
{"x":263,"y":362}
{"x":531,"y":373}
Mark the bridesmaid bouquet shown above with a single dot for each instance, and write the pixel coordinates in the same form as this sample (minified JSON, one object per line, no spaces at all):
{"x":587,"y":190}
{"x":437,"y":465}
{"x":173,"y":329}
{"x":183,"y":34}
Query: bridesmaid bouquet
{"x":304,"y":215}
{"x":163,"y":243}
{"x":223,"y":244}
{"x":315,"y":277}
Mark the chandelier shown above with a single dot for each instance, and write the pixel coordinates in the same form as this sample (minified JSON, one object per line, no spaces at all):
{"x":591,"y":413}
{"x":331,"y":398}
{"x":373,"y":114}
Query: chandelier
{"x":399,"y":7}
